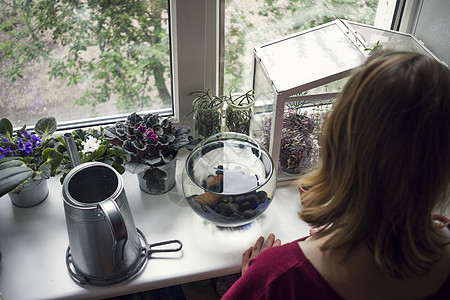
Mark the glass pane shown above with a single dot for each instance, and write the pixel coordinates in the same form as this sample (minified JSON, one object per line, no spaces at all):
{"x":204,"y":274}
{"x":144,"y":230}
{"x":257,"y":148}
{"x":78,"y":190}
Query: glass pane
{"x":311,"y":56}
{"x":264,"y":99}
{"x":302,"y":127}
{"x":389,"y":40}
{"x":83,"y":60}
{"x":249,"y":23}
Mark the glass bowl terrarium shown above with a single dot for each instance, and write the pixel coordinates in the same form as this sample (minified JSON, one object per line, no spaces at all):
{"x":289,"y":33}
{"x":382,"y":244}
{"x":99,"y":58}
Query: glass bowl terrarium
{"x":229,"y":180}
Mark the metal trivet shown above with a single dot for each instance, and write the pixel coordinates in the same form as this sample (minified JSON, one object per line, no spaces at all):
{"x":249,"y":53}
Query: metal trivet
{"x":146,"y":251}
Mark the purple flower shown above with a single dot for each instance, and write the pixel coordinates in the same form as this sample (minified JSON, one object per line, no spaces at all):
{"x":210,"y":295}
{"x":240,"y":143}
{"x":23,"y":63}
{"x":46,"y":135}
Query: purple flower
{"x":20,"y":145}
{"x":26,"y":134}
{"x":28,"y":149}
{"x":3,"y":152}
{"x":6,"y":152}
{"x":150,"y":134}
{"x":142,"y":128}
{"x":36,"y":140}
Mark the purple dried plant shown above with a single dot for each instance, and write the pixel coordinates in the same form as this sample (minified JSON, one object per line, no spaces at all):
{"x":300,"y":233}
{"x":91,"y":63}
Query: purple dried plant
{"x":296,"y":135}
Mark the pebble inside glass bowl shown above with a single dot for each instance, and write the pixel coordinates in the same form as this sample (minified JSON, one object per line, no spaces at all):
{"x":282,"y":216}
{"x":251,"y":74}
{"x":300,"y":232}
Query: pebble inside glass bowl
{"x":229,"y":179}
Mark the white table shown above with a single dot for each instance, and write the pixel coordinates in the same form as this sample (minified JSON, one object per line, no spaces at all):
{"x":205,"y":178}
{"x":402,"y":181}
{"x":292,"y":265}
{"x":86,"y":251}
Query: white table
{"x":34,"y":242}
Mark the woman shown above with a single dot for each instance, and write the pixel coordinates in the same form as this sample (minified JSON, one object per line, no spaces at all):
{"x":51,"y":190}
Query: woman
{"x":384,"y":172}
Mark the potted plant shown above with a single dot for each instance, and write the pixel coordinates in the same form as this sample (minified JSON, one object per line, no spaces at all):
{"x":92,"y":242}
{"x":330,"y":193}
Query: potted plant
{"x":27,"y":159}
{"x":207,"y":109}
{"x":239,"y":112}
{"x":300,"y":133}
{"x":92,"y":146}
{"x":300,"y":136}
{"x":297,"y":141}
{"x":152,"y":143}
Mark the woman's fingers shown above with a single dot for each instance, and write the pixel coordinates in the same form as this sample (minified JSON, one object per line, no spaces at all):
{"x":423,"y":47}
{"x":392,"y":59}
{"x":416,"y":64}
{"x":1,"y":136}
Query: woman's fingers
{"x":269,"y":242}
{"x":259,"y":246}
{"x":246,"y":256}
{"x":276,"y":243}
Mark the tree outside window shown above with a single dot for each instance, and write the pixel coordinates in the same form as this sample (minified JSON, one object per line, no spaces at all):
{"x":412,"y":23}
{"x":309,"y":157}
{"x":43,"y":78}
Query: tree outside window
{"x":78,"y":59}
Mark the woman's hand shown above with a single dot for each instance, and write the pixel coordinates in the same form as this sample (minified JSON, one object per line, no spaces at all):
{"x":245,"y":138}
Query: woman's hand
{"x":259,"y":246}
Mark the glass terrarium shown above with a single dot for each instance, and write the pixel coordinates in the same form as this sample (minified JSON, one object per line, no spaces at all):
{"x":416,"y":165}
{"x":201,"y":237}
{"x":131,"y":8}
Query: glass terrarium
{"x":229,"y":180}
{"x":296,"y":80}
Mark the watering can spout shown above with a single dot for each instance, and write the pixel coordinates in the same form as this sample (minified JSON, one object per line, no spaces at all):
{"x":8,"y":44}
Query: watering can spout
{"x":72,"y":150}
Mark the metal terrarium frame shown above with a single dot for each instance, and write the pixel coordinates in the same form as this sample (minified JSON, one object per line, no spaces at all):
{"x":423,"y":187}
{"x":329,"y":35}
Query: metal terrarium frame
{"x":299,"y":67}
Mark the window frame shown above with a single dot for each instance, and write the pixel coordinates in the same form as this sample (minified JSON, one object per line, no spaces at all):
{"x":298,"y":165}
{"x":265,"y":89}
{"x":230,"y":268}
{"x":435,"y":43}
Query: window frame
{"x":197,"y":57}
{"x":195,"y":52}
{"x":196,"y":40}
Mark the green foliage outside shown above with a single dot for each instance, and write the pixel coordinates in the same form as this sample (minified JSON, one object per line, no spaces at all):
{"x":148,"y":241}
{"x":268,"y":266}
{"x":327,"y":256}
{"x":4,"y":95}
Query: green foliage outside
{"x":111,"y":48}
{"x":117,"y":51}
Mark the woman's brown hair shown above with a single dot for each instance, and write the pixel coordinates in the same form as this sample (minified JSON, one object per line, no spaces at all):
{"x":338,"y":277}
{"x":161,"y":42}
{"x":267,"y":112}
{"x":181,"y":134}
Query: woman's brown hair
{"x":385,"y":164}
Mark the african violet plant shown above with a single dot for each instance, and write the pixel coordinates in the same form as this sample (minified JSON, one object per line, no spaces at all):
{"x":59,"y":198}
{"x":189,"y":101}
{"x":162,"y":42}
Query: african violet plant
{"x":92,"y":146}
{"x":151,"y":141}
{"x":25,"y":155}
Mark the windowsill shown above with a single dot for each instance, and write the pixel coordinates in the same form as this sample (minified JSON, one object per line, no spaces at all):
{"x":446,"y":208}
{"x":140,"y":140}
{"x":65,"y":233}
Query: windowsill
{"x":34,"y":240}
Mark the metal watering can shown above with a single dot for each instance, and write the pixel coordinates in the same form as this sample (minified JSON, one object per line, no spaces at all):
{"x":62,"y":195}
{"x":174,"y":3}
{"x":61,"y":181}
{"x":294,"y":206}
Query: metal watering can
{"x":105,"y":247}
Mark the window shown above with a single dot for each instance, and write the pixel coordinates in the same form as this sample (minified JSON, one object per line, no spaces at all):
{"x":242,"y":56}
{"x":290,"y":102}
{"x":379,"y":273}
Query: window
{"x":195,"y":59}
{"x":85,"y":62}
{"x":428,"y":21}
{"x":249,"y":23}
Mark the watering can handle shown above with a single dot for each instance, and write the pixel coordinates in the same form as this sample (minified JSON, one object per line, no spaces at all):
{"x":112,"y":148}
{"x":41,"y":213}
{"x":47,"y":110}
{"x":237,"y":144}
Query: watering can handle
{"x":118,"y":228}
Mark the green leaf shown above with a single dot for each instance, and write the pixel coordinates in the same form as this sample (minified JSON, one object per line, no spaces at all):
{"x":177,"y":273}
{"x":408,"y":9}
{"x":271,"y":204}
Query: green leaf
{"x":6,"y":129}
{"x":52,"y":158}
{"x":12,"y":177}
{"x":44,"y":172}
{"x":99,"y":152}
{"x":155,"y":180}
{"x":6,"y":159}
{"x":45,"y":127}
{"x":11,"y":163}
{"x":119,"y":168}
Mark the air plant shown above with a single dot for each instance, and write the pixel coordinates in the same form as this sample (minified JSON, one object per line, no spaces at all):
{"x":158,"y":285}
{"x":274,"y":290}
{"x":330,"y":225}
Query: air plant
{"x":207,"y":109}
{"x":239,"y":112}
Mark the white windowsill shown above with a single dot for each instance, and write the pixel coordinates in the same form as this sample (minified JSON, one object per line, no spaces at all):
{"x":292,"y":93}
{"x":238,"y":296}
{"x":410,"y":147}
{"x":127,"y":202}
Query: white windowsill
{"x":34,"y":242}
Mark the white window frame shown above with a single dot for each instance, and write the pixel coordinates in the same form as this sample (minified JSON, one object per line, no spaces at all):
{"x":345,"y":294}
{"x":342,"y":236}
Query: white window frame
{"x":195,"y":51}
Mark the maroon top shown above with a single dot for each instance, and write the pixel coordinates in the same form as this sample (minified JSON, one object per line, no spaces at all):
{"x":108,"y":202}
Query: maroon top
{"x":285,"y":273}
